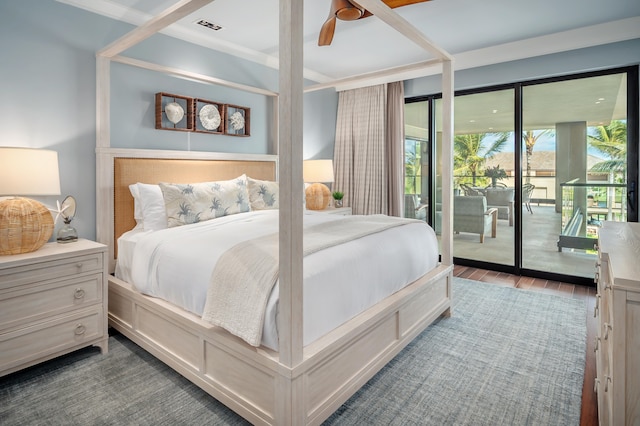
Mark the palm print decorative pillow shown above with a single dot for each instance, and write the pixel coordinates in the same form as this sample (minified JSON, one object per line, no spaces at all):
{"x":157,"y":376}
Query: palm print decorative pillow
{"x":197,"y":202}
{"x":263,"y":194}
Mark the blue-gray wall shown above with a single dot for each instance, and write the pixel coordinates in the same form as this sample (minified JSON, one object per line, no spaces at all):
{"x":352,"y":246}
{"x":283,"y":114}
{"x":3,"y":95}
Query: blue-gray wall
{"x":47,"y":82}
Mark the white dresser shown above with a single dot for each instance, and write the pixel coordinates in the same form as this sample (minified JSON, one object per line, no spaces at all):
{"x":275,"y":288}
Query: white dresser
{"x":618,"y":316}
{"x":52,"y":301}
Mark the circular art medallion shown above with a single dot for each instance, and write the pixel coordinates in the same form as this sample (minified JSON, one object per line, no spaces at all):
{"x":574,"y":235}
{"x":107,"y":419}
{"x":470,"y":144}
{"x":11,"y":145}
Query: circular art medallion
{"x":174,"y":112}
{"x":210,"y":117}
{"x":237,"y":120}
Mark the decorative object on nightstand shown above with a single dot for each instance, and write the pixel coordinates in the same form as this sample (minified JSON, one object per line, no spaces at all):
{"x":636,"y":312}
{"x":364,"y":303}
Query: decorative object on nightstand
{"x":315,"y":172}
{"x":67,"y":234}
{"x":26,"y":224}
{"x":337,"y":199}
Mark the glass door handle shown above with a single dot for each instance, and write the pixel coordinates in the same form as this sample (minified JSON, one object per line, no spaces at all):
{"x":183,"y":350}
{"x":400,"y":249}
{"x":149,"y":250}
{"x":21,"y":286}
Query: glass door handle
{"x":631,"y":196}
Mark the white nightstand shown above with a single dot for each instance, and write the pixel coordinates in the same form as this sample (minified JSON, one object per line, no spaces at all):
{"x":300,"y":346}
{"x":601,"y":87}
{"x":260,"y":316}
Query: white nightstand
{"x":342,"y":211}
{"x":52,"y":301}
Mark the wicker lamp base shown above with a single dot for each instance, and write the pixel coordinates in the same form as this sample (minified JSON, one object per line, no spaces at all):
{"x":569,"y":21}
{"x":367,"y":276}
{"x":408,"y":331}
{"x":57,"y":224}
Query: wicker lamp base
{"x":25,"y":225}
{"x":317,"y":196}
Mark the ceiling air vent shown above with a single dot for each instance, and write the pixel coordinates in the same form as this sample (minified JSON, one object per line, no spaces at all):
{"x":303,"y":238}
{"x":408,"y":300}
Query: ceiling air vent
{"x":209,"y":25}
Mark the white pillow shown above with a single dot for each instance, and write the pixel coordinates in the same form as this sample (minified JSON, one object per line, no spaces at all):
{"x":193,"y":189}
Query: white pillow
{"x":197,"y":202}
{"x":137,"y":206}
{"x":148,"y":208}
{"x":263,"y":194}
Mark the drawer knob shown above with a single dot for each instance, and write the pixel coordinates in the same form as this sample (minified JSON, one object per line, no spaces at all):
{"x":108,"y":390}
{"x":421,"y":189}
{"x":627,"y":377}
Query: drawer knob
{"x":78,"y":294}
{"x":607,"y":380}
{"x":80,"y":329}
{"x":79,"y":265}
{"x":596,"y":344}
{"x":595,"y":385}
{"x":607,"y":327}
{"x":596,"y":278}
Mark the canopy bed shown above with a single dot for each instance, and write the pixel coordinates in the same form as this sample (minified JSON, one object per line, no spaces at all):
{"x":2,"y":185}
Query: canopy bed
{"x":298,"y":379}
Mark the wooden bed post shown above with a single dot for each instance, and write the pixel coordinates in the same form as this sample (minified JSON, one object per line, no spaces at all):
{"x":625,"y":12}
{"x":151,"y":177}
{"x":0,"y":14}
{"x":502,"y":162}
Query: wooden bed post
{"x":104,"y":179}
{"x":291,"y":407}
{"x":386,"y":14}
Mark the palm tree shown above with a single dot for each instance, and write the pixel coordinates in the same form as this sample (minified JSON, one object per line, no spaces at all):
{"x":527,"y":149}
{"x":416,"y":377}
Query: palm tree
{"x":530,"y":137}
{"x":611,"y":141}
{"x":471,"y":151}
{"x":412,"y":166}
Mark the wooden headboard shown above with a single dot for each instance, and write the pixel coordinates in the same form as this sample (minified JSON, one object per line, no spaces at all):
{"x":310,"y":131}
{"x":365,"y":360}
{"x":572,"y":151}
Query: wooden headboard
{"x":127,"y":171}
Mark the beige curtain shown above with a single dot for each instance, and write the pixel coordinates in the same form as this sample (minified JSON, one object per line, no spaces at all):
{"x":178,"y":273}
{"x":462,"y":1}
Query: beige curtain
{"x":365,"y":162}
{"x":395,"y":148}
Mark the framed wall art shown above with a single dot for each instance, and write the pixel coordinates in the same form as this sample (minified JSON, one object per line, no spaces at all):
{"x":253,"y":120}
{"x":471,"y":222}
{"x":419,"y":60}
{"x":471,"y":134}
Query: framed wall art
{"x":174,"y":112}
{"x":208,"y":116}
{"x":237,"y":120}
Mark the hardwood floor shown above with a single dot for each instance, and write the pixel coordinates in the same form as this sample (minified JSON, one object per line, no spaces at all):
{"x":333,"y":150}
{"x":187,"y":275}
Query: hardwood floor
{"x":589,"y":414}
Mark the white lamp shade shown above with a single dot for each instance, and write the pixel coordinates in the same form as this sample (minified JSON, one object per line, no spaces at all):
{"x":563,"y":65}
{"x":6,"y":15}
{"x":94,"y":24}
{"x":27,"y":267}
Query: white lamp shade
{"x":317,"y":171}
{"x":27,"y":171}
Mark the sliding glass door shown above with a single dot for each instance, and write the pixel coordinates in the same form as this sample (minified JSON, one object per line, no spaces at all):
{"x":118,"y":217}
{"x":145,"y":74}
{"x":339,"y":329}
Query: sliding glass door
{"x":575,"y":144}
{"x":551,"y":159}
{"x":483,"y":176}
{"x":416,"y":160}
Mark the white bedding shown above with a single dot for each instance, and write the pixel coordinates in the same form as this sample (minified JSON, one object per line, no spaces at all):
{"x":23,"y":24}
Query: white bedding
{"x":176,"y":264}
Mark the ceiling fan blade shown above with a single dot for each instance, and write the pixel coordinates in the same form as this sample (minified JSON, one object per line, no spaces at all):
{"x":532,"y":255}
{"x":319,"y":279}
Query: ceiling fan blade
{"x":327,"y":30}
{"x":349,"y":11}
{"x":399,"y":3}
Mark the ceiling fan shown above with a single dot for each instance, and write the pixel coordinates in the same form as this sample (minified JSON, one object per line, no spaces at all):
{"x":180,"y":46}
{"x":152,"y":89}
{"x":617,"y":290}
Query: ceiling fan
{"x":351,"y":11}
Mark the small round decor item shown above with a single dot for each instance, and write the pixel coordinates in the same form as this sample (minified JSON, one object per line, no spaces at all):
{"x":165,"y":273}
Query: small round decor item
{"x":25,"y":225}
{"x":174,"y":112}
{"x":67,"y":234}
{"x":68,"y":208}
{"x":237,"y":120}
{"x":317,"y":196}
{"x":210,"y":117}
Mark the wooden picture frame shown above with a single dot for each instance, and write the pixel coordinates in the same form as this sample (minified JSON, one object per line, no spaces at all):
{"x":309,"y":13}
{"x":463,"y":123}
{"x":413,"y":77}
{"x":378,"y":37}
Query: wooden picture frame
{"x":204,"y":116}
{"x":237,"y":120}
{"x":185,"y":124}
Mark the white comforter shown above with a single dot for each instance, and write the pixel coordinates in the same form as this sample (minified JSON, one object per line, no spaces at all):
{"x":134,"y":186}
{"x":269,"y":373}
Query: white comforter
{"x":176,"y":264}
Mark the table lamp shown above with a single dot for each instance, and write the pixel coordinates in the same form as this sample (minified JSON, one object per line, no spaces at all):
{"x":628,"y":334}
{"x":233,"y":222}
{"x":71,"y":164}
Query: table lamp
{"x":26,"y":224}
{"x":317,"y":195}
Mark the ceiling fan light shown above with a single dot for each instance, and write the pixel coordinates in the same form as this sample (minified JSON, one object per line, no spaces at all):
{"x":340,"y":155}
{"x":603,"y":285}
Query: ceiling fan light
{"x":349,"y":13}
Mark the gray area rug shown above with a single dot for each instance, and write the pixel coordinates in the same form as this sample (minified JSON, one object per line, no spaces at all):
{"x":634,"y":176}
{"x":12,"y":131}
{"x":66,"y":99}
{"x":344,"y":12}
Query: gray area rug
{"x":505,"y":357}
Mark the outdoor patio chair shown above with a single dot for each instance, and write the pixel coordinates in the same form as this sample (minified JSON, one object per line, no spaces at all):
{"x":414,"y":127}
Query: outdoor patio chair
{"x":527,"y":190}
{"x":470,"y":214}
{"x":469,"y":190}
{"x":498,"y":185}
{"x":502,"y":199}
{"x":413,"y":209}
